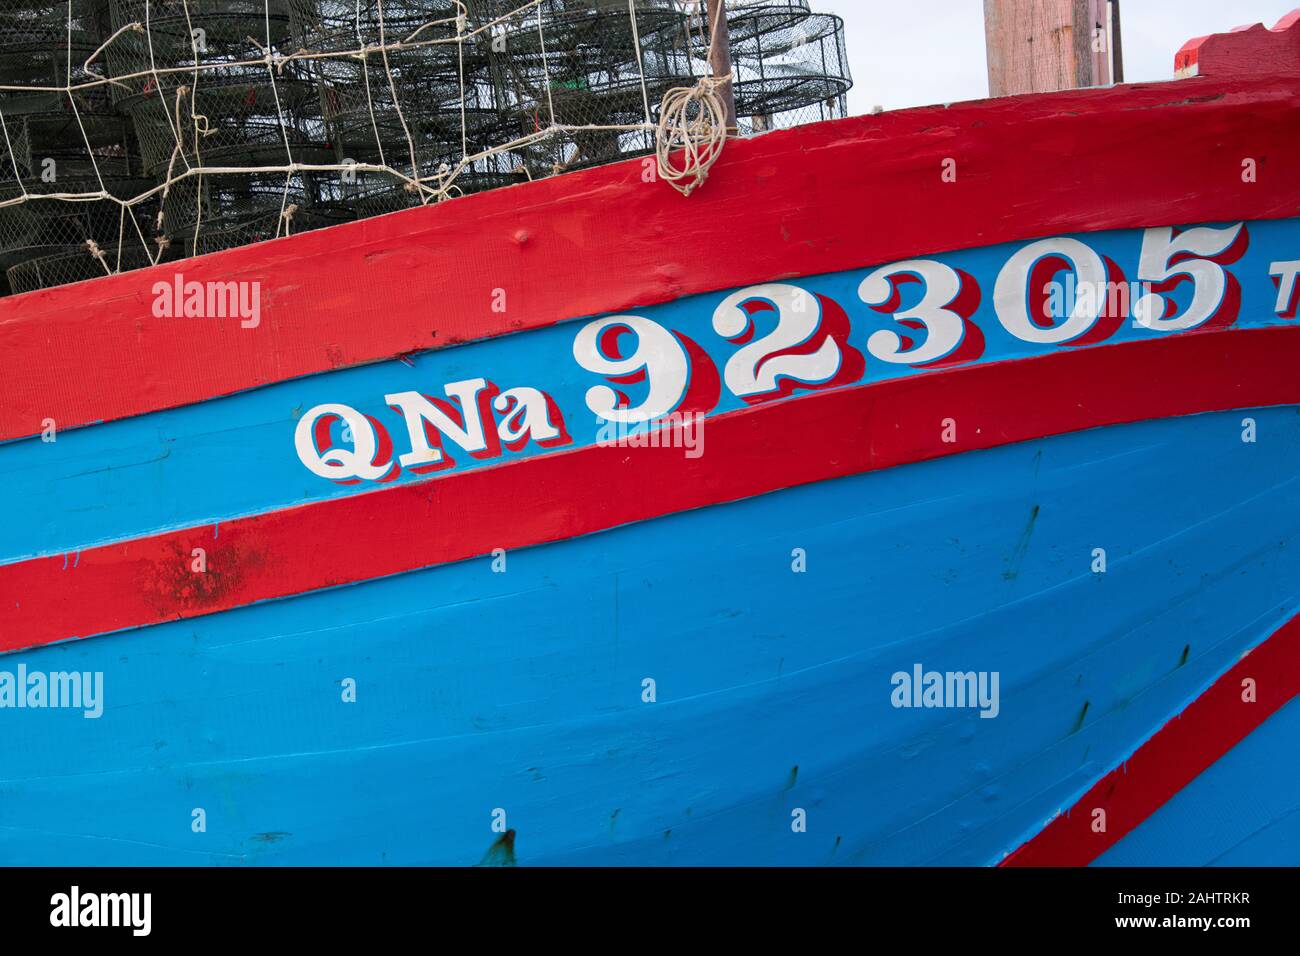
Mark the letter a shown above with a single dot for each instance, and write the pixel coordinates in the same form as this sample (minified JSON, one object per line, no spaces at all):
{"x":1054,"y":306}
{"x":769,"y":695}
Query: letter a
{"x":59,"y":915}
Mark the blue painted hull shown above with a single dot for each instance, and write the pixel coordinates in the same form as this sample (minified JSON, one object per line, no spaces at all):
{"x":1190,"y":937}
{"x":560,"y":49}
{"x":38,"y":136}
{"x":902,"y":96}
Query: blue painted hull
{"x":522,"y":691}
{"x":1235,"y":824}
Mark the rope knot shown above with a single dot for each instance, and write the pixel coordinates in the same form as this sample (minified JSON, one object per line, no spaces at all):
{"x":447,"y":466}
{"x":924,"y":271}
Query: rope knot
{"x":692,"y":121}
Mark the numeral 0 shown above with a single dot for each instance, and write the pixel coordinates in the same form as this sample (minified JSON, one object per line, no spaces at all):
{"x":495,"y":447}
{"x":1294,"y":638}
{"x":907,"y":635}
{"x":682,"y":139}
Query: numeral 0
{"x":1020,"y":283}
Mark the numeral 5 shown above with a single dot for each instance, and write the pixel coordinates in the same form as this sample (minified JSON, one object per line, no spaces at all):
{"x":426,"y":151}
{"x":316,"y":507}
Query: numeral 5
{"x":1197,"y":254}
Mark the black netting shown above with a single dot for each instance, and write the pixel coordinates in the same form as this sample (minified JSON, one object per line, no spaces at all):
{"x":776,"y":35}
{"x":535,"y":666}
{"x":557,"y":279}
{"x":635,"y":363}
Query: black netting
{"x":141,"y":130}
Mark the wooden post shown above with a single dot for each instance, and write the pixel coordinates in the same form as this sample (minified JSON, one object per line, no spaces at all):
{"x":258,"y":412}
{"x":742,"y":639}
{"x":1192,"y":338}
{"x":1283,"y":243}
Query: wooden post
{"x":1040,"y":46}
{"x":720,"y":57}
{"x":1116,"y":45}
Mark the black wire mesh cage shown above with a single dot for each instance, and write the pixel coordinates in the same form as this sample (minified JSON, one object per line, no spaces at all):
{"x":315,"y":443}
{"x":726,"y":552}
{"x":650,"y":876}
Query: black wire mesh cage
{"x":210,"y":212}
{"x":787,"y":59}
{"x":56,"y":141}
{"x":581,"y":80}
{"x":71,"y":264}
{"x":404,"y":98}
{"x":142,"y":130}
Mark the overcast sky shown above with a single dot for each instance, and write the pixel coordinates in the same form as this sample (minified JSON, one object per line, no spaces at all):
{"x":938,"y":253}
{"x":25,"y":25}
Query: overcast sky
{"x":916,"y":52}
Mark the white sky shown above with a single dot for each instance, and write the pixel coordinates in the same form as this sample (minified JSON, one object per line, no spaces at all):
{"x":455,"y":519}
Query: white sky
{"x":917,"y":52}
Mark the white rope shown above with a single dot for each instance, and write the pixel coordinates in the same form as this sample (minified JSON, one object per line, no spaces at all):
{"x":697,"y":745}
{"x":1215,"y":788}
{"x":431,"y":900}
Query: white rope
{"x":199,"y":127}
{"x":397,"y":102}
{"x":692,"y":122}
{"x":97,"y":253}
{"x":365,"y":76}
{"x":546,"y":69}
{"x":640,"y":66}
{"x":460,"y":77}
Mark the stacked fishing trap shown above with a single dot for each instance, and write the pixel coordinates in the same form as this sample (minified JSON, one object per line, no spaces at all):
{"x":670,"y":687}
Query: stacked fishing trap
{"x":138,"y":131}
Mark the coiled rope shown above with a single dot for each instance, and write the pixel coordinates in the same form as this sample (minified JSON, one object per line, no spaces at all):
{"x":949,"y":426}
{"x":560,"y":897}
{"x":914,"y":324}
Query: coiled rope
{"x":692,"y":121}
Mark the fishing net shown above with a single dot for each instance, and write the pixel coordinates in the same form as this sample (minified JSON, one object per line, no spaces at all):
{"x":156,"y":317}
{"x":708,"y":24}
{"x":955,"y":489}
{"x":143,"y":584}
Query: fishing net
{"x":139,"y":131}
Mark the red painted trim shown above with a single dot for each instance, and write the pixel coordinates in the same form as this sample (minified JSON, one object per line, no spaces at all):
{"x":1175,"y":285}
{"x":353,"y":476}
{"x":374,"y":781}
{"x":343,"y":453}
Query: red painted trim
{"x":1211,"y":725}
{"x":825,"y":435}
{"x":821,"y":198}
{"x":1251,"y":50}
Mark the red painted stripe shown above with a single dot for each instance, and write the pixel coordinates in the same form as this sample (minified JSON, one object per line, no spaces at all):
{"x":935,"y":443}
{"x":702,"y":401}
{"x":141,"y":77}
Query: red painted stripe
{"x":817,"y":199}
{"x":1211,"y":725}
{"x":1246,"y":50}
{"x":826,"y":435}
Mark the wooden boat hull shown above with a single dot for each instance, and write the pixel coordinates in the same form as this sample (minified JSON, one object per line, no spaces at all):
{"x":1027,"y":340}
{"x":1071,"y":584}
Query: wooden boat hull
{"x":355,"y":596}
{"x":522,"y":690}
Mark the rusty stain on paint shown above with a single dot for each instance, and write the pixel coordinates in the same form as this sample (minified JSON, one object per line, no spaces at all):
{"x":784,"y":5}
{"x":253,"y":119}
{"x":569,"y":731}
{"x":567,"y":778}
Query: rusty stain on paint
{"x":501,"y":852}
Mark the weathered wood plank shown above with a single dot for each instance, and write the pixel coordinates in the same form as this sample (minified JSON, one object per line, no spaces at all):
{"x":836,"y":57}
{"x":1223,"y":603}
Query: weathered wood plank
{"x":1042,"y":46}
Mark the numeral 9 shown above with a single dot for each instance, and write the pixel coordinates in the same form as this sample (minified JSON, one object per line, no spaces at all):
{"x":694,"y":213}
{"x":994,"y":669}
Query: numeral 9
{"x":658,"y":359}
